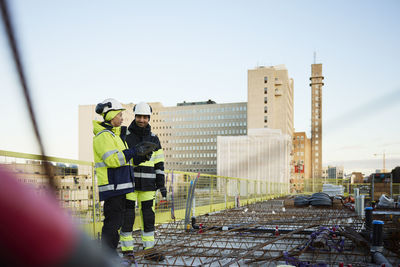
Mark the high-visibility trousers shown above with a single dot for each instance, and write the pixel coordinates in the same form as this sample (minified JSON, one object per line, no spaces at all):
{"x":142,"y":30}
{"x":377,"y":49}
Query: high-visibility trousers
{"x":146,"y":201}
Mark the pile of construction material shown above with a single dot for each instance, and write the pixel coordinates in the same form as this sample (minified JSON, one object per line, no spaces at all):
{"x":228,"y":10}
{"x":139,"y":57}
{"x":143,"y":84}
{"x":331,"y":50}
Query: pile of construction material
{"x":316,"y":199}
{"x":333,"y":190}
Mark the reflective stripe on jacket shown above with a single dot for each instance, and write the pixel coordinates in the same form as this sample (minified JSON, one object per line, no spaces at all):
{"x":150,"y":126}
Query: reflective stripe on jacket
{"x":114,"y":174}
{"x":149,"y":175}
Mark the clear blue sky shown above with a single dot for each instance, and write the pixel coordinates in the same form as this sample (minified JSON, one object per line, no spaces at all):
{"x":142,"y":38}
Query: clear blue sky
{"x":80,"y":52}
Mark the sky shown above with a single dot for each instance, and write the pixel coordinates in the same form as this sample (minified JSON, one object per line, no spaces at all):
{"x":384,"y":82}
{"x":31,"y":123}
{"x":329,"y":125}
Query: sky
{"x":81,"y":52}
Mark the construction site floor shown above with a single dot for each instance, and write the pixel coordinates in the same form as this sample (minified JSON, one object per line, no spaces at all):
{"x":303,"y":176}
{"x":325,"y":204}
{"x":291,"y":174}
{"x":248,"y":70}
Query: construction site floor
{"x":271,"y":233}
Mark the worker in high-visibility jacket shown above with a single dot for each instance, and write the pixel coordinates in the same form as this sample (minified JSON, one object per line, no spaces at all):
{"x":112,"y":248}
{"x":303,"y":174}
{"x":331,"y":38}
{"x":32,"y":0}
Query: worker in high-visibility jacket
{"x":149,"y":177}
{"x":113,"y":170}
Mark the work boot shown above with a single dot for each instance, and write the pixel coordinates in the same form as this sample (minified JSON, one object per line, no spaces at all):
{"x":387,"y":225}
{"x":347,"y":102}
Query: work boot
{"x":128,"y":255}
{"x":154,"y":257}
{"x":127,"y":258}
{"x":125,"y":263}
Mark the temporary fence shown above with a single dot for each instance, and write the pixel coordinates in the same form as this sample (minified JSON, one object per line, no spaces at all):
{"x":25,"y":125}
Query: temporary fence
{"x":76,"y":189}
{"x":77,"y":192}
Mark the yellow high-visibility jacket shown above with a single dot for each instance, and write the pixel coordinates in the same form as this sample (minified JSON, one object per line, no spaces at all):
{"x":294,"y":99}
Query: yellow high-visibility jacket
{"x":114,"y":174}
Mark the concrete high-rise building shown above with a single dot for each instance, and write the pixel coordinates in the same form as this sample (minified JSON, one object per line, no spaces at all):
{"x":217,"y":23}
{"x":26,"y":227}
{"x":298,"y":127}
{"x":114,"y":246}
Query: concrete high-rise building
{"x":270,"y":99}
{"x":316,"y":119}
{"x":301,"y":161}
{"x":188,"y":132}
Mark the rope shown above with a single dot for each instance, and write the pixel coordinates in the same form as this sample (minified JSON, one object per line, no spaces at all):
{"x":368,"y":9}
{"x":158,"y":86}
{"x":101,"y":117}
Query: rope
{"x":24,"y":86}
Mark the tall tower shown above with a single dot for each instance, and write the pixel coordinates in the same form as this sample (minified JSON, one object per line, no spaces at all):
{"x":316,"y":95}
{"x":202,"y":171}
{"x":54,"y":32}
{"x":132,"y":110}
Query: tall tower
{"x":316,"y":120}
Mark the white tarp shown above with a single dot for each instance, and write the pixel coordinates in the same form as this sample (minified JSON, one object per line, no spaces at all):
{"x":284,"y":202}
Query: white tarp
{"x":263,"y":155}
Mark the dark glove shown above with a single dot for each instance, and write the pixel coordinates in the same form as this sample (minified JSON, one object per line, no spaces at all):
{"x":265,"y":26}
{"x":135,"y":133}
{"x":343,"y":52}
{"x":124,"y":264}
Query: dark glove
{"x":163,"y":192}
{"x":144,"y":148}
{"x":139,"y":159}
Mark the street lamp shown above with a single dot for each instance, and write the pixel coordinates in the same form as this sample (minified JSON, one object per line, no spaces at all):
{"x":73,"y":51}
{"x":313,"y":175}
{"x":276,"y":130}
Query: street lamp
{"x":384,"y":161}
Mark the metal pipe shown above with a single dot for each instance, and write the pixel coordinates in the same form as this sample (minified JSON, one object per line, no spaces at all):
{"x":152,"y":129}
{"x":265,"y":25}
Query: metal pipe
{"x":372,"y":187}
{"x":391,"y":185}
{"x":368,"y":217}
{"x":377,"y":233}
{"x":377,"y":244}
{"x":379,"y":258}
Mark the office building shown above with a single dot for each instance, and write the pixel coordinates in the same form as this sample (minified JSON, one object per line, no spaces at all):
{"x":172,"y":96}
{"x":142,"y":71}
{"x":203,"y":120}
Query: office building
{"x":270,"y":99}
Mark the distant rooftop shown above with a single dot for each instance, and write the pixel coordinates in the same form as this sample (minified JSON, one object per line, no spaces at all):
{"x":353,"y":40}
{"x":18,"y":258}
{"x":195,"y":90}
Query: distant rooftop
{"x":276,"y":67}
{"x":184,"y":103}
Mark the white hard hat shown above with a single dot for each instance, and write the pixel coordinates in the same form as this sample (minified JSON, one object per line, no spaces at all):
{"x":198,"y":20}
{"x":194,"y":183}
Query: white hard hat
{"x":107,"y":105}
{"x":142,"y":109}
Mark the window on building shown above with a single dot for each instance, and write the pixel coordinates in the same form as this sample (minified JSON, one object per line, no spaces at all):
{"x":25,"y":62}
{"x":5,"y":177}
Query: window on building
{"x":265,"y":90}
{"x":265,"y":79}
{"x":265,"y":119}
{"x":265,"y":100}
{"x":265,"y":109}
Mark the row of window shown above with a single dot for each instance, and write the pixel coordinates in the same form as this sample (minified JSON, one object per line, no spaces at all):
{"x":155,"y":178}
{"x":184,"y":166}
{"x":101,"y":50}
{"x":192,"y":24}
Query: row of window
{"x":200,"y":162}
{"x":195,"y":148}
{"x":195,"y":155}
{"x":197,"y":140}
{"x":210,"y":125}
{"x":205,"y":118}
{"x":205,"y":110}
{"x":219,"y":132}
{"x":299,"y":146}
{"x":212,"y":170}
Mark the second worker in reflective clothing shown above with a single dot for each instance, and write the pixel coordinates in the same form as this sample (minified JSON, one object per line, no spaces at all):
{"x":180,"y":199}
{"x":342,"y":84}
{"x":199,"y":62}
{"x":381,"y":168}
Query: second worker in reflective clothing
{"x":149,"y":177}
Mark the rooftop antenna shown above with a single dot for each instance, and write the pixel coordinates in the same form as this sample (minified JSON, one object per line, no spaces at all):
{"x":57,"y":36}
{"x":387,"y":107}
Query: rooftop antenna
{"x":315,"y":57}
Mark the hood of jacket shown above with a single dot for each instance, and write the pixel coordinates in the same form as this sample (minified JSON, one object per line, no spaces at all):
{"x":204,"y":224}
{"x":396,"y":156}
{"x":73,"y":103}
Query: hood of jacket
{"x":99,"y":126}
{"x":133,"y":128}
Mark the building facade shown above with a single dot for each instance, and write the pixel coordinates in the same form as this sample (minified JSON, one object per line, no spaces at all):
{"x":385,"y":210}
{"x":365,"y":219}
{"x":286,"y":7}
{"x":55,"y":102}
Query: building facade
{"x":316,"y":119}
{"x":301,"y":161}
{"x":270,"y":99}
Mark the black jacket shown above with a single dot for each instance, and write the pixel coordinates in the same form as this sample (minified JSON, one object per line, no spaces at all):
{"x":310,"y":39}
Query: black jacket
{"x":149,"y":175}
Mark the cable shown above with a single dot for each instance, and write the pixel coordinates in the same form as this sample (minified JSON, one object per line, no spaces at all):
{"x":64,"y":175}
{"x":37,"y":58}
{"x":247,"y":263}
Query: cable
{"x":24,"y":86}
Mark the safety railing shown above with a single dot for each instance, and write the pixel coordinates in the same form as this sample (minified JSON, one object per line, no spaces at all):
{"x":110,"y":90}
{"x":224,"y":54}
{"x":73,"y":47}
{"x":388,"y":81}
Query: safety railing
{"x":76,"y":189}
